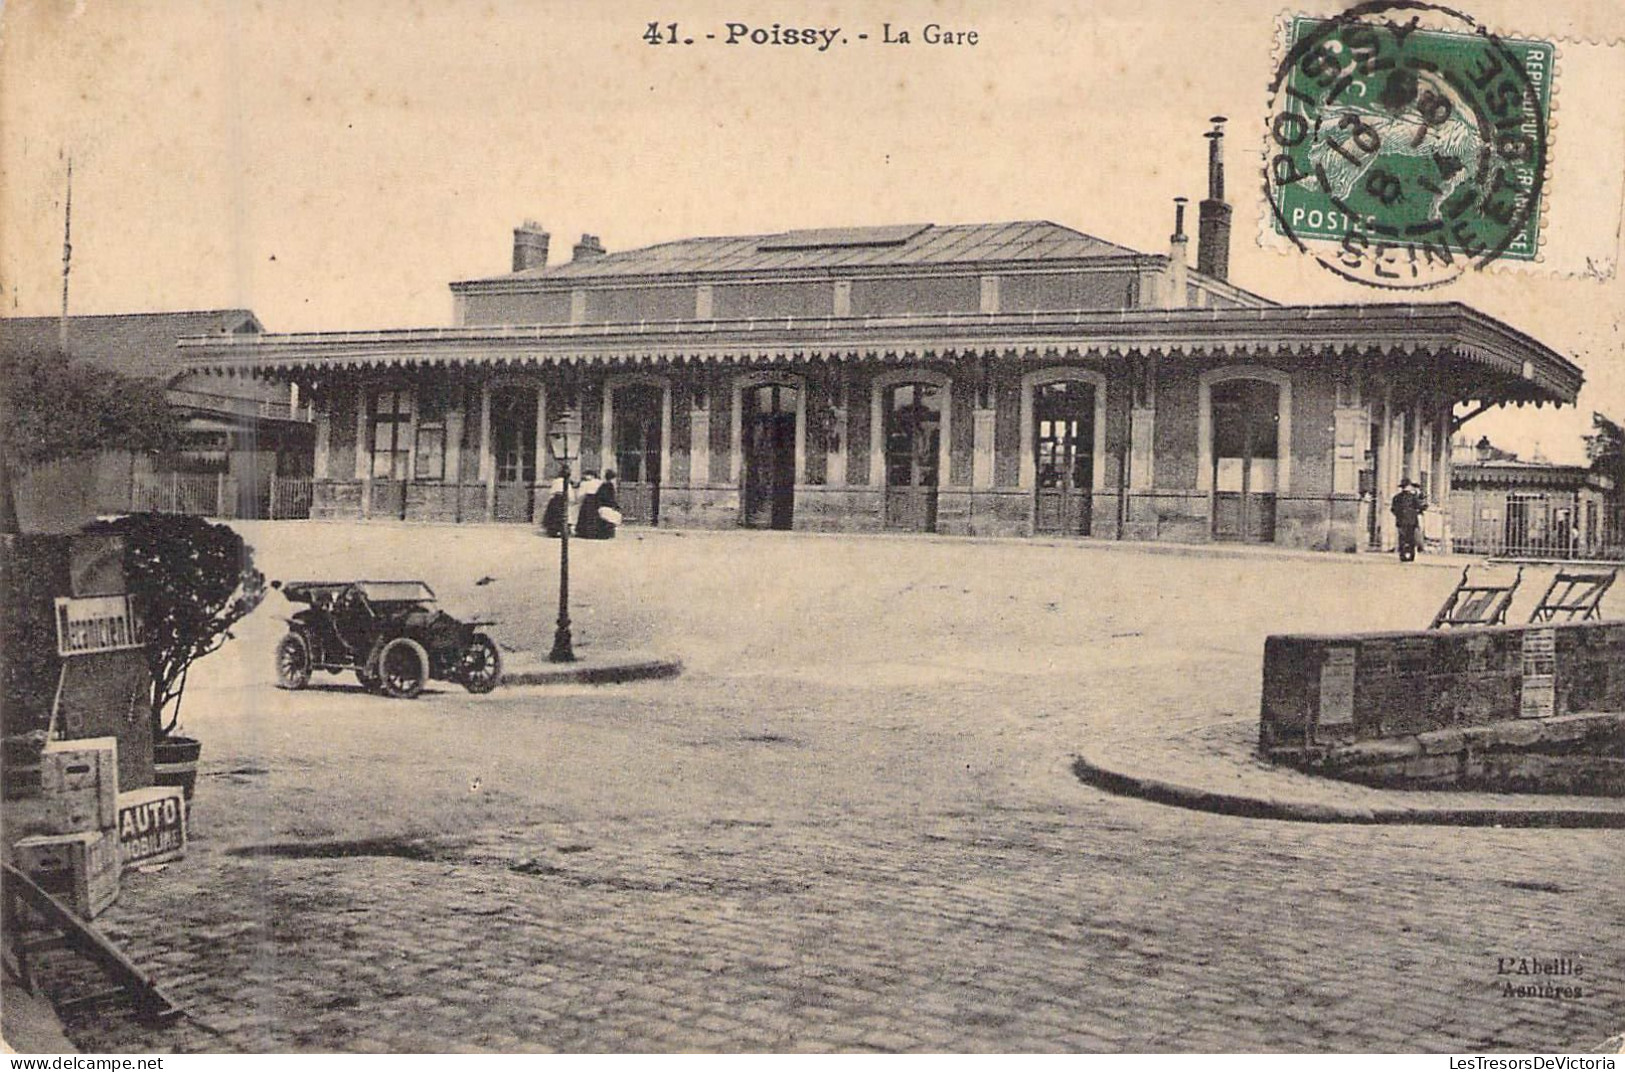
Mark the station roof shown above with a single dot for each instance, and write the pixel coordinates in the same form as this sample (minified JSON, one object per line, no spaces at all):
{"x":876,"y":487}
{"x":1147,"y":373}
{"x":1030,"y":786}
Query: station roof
{"x":135,"y":344}
{"x":914,"y":244}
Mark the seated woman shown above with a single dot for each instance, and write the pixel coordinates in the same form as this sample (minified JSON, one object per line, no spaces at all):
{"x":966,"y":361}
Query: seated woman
{"x":587,"y":522}
{"x":557,"y":513}
{"x":609,"y":511}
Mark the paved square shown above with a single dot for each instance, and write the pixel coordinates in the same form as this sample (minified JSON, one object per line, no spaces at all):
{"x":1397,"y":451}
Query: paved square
{"x":851,"y":825}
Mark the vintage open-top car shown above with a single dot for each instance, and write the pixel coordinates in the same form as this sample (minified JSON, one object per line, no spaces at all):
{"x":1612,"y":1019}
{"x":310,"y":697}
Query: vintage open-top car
{"x":389,"y":632}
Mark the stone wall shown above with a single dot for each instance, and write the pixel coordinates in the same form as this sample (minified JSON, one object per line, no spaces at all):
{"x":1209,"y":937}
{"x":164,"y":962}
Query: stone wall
{"x":1525,"y":707}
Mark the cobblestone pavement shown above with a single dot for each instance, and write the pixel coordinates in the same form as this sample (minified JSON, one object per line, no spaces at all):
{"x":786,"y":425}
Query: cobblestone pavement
{"x":851,"y":826}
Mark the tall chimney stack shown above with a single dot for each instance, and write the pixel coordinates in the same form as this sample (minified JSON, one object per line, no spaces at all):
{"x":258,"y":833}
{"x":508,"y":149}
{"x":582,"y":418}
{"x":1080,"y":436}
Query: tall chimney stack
{"x":587,"y":248}
{"x":529,"y":246}
{"x":1178,"y":259}
{"x":1213,"y":228}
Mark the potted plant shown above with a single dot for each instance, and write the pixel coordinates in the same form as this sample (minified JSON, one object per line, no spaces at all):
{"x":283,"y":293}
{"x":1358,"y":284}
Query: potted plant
{"x":191,"y":581}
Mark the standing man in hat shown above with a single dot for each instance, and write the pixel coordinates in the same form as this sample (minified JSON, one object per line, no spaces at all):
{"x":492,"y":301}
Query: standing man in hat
{"x":1407,"y":509}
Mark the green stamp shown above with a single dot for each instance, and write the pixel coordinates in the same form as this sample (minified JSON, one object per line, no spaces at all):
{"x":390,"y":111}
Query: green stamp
{"x":1407,"y":144}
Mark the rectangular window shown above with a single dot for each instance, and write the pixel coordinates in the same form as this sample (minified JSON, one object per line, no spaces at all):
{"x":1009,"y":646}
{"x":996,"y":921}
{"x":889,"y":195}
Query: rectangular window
{"x":431,"y":435}
{"x":391,"y":420}
{"x":431,"y":461}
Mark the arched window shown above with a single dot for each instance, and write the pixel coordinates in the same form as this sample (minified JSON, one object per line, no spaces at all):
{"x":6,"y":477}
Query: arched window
{"x":1063,"y":435}
{"x":910,"y":419}
{"x":769,"y":417}
{"x":1244,"y":448}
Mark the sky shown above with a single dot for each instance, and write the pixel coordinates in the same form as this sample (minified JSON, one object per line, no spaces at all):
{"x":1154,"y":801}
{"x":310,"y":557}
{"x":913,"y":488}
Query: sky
{"x":336,"y":165}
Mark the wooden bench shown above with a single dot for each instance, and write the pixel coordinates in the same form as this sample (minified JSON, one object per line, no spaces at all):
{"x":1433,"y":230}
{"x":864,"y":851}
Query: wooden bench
{"x":1477,"y":602}
{"x":1574,"y":596}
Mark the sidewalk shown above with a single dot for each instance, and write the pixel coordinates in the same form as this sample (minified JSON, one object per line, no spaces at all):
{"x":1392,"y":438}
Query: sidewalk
{"x":1214,"y":768}
{"x":589,"y":668}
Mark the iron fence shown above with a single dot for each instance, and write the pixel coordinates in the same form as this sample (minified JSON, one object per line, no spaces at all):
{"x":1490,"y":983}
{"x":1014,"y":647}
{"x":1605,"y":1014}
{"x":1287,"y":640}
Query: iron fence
{"x":290,"y":497}
{"x":204,"y":494}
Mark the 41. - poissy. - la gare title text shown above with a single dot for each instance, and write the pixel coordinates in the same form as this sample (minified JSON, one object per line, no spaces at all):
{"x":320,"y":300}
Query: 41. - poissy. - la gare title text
{"x":818,"y":37}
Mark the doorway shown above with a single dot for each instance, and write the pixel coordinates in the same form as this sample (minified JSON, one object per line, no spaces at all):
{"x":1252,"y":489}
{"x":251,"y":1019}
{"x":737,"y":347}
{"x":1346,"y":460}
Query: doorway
{"x":513,"y":442}
{"x":637,"y":417}
{"x":913,"y":435}
{"x":391,"y":421}
{"x":1063,"y":456}
{"x":1246,"y":450}
{"x":769,"y":444}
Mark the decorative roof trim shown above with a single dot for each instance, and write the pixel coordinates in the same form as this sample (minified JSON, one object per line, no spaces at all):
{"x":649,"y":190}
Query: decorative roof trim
{"x":1563,"y":477}
{"x":1447,"y":328}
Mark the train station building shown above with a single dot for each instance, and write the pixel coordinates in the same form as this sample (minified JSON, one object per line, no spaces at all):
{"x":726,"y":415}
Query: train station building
{"x":1005,"y":378}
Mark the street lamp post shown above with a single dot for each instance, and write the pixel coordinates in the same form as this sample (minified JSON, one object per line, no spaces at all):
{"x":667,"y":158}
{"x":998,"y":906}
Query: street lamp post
{"x":564,"y":436}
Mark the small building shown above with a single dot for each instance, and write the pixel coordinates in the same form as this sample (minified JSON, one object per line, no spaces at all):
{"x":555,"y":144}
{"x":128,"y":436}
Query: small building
{"x":243,"y":440}
{"x":1001,"y":378}
{"x":1500,"y":505}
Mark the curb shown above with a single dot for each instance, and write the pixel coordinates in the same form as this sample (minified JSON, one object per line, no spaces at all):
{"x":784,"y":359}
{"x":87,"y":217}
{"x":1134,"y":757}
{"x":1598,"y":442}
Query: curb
{"x":611,"y":672}
{"x":1090,"y":772}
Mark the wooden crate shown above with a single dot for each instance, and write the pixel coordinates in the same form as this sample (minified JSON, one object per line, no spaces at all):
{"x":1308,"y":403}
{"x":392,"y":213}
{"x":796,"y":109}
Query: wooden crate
{"x":81,"y":870}
{"x":79,"y":782}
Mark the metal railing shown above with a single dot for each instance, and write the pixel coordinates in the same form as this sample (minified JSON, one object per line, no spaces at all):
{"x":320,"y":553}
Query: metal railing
{"x":1552,"y":550}
{"x":203,"y":494}
{"x":290,"y":497}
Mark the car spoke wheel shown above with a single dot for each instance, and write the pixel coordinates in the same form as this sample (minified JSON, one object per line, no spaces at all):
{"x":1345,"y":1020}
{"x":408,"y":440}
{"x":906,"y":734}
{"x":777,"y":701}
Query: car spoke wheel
{"x":482,"y":665}
{"x":403,"y":667}
{"x":293,"y":662}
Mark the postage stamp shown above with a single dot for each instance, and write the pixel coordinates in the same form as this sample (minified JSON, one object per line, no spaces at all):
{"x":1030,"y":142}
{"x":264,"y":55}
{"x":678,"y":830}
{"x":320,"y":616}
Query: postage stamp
{"x":1407,"y":144}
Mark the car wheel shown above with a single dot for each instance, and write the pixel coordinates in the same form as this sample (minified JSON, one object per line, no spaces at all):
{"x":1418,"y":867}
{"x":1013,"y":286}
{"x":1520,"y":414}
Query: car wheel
{"x":482,"y":665}
{"x":293,"y":662}
{"x":403,"y":667}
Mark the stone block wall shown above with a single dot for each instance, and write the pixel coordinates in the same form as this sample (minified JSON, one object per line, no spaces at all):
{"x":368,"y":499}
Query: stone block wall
{"x":1525,"y":707}
{"x":991,"y":512}
{"x":713,"y":507}
{"x":848,"y":509}
{"x":336,"y":499}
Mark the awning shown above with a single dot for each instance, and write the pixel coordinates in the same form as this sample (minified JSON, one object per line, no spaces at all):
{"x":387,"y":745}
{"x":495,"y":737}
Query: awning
{"x":1526,"y":369}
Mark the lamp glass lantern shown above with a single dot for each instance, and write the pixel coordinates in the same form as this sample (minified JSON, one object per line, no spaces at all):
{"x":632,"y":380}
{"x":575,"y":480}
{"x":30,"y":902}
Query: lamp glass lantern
{"x":564,"y":437}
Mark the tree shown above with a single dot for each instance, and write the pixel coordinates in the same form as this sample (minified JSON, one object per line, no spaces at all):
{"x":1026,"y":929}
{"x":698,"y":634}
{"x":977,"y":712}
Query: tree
{"x":57,"y":409}
{"x":1605,"y":446}
{"x":191,"y":581}
{"x":52,"y":408}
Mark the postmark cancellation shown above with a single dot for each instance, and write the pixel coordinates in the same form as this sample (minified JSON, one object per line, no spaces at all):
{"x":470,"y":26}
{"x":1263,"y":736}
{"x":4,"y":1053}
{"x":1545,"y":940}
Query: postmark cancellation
{"x":1407,"y":144}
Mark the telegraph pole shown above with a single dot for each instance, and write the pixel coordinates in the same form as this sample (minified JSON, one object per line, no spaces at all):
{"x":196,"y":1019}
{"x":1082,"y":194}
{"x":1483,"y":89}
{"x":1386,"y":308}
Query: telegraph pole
{"x":67,"y":259}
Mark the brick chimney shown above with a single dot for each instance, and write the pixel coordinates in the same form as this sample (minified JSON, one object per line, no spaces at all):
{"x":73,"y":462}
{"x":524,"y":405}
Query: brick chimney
{"x":1213,"y":234}
{"x":588,"y":248}
{"x":529,"y":246}
{"x":1178,"y":259}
